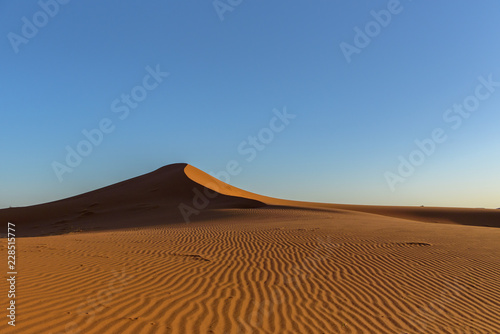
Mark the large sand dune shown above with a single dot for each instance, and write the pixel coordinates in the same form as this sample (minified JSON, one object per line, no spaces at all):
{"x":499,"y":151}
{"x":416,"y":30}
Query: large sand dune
{"x":123,"y":259}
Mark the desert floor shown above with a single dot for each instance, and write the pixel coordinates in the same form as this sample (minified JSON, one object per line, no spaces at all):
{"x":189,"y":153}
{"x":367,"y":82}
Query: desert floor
{"x":94,"y":264}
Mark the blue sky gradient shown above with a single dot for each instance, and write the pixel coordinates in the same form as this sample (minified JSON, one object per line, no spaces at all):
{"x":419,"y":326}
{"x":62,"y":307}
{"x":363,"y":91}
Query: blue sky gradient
{"x":355,"y":115}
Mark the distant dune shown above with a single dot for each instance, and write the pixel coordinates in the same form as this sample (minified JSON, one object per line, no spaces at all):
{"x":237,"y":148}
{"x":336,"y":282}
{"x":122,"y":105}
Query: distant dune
{"x":178,"y":251}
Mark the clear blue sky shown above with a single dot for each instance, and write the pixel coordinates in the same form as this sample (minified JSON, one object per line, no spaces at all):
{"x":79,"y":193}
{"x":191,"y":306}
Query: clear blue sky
{"x":229,"y":68}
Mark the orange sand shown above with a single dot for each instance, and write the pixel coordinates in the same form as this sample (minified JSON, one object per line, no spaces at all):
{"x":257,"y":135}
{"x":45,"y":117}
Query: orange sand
{"x":122,"y":259}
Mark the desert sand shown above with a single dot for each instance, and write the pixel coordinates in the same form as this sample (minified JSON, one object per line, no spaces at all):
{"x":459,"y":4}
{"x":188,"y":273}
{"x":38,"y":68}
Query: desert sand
{"x":123,"y":259}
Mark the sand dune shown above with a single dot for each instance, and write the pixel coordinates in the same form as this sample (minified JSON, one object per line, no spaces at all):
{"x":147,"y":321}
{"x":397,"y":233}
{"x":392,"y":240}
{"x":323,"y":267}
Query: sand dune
{"x":144,"y":200}
{"x":249,"y":264}
{"x":141,"y":201}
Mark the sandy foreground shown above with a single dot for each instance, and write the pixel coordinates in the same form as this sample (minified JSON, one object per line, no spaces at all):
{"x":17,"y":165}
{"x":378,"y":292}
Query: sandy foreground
{"x":124,"y":259}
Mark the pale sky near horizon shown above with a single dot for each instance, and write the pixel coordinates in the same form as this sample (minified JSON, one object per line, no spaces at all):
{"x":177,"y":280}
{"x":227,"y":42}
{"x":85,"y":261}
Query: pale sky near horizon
{"x":388,"y":102}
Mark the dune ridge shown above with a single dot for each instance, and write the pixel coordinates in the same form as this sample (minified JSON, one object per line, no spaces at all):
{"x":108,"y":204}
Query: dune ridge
{"x":462,"y":216}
